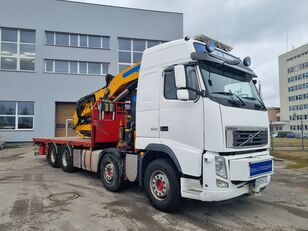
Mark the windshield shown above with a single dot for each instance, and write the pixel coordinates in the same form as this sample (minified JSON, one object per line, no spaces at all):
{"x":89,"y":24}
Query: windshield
{"x":230,"y":87}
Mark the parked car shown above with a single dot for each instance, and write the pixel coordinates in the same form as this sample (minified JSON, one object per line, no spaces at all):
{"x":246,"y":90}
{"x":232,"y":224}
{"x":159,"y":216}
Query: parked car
{"x":291,"y":135}
{"x":299,"y":135}
{"x":286,"y":134}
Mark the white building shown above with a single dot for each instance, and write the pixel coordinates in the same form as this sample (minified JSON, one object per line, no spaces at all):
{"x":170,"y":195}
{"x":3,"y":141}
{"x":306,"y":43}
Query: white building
{"x":293,"y":80}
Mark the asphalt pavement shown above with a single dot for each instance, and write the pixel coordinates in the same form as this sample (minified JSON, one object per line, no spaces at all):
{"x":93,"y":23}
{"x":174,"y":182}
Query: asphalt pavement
{"x":35,"y":196}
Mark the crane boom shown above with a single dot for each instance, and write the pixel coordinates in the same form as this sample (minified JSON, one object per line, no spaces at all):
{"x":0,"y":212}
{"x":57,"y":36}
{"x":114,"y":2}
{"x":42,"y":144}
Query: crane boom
{"x":116,"y":87}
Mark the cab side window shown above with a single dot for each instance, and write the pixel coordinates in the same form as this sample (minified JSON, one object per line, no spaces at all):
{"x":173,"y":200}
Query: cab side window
{"x":192,"y":81}
{"x":170,"y":90}
{"x":169,"y":85}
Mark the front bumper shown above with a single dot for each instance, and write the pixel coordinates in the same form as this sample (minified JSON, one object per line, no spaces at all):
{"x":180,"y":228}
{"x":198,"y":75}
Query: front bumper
{"x":238,"y":181}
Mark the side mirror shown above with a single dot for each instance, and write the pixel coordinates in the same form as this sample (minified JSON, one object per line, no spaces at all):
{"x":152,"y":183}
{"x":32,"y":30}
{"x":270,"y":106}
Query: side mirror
{"x":254,"y":81}
{"x":182,"y":94}
{"x":180,"y":76}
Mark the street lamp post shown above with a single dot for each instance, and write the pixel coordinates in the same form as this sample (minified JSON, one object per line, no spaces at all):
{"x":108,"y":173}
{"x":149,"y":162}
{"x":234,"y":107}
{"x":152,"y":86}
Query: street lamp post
{"x":271,"y":131}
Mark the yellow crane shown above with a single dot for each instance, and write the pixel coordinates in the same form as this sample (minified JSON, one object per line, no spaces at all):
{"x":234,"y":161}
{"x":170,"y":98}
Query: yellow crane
{"x":116,"y":88}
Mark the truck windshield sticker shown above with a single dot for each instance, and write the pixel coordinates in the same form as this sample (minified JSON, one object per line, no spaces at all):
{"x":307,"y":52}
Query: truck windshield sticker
{"x":201,"y":48}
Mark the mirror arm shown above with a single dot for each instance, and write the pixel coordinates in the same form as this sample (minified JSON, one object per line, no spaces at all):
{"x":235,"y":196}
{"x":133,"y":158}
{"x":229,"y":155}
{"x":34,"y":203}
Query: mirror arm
{"x":202,"y":93}
{"x":197,"y":99}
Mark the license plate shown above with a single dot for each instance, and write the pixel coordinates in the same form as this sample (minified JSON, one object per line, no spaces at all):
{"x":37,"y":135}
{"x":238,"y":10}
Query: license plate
{"x":259,"y":168}
{"x":260,"y":181}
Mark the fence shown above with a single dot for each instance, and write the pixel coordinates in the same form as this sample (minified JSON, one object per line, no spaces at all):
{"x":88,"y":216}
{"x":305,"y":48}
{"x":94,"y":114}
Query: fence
{"x":298,"y":144}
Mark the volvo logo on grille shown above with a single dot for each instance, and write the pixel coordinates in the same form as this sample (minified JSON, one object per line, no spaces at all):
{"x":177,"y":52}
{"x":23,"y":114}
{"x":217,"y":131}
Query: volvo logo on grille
{"x":250,"y":138}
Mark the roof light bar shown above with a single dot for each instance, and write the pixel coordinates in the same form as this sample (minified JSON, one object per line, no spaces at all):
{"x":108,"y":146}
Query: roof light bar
{"x":220,"y":45}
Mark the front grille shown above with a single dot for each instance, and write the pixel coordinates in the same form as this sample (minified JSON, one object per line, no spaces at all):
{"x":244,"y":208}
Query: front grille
{"x":240,"y":138}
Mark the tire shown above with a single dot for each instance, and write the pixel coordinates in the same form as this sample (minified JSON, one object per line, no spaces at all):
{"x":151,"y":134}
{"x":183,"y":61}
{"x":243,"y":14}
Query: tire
{"x":112,"y":172}
{"x":66,"y":159}
{"x":161,"y":184}
{"x":53,"y":155}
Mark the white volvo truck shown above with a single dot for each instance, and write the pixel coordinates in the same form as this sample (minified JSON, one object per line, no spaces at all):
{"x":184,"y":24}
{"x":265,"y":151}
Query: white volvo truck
{"x":197,"y":128}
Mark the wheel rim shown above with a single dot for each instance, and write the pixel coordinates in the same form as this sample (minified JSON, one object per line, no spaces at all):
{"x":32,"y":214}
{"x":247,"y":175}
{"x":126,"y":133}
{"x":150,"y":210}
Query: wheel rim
{"x":53,"y":156}
{"x":159,"y":185}
{"x":109,"y":172}
{"x":65,"y":158}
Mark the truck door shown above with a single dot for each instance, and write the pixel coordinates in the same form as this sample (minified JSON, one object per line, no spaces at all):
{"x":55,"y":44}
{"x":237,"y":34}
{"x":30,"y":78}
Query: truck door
{"x":181,"y":122}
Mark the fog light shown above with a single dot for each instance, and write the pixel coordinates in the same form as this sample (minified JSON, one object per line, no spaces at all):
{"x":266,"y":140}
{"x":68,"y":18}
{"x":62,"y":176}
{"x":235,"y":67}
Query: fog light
{"x":221,"y":184}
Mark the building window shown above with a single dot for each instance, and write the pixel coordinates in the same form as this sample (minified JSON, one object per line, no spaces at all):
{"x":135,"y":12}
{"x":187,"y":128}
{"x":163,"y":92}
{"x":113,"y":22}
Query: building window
{"x":298,"y":67}
{"x":17,"y":49}
{"x":298,"y":87}
{"x":130,"y":51}
{"x":77,"y":40}
{"x":95,"y":41}
{"x":16,"y":115}
{"x":76,"y":67}
{"x":62,"y":39}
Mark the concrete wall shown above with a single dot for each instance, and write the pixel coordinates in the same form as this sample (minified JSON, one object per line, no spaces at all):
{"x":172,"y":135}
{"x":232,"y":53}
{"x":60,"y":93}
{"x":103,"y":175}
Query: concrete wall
{"x":63,"y":16}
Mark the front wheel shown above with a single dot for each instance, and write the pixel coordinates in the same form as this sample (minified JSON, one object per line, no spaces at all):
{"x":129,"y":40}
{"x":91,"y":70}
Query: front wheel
{"x":162,"y":185}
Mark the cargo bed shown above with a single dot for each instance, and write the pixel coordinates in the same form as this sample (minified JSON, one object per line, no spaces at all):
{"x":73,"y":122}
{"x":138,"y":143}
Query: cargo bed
{"x":72,"y":141}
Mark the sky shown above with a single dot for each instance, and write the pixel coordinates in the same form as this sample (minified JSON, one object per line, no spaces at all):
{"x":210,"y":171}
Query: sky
{"x":261,"y":29}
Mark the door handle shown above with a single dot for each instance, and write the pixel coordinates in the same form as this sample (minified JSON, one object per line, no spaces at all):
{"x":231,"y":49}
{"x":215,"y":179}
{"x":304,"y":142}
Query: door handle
{"x":164,"y":128}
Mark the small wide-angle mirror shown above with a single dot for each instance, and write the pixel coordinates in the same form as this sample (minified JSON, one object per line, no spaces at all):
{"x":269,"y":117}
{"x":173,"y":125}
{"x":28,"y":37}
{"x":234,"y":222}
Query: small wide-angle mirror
{"x":180,"y":76}
{"x":182,"y":94}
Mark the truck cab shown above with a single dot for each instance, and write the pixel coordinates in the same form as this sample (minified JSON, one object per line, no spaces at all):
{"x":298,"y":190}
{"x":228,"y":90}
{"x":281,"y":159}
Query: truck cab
{"x":199,"y":107}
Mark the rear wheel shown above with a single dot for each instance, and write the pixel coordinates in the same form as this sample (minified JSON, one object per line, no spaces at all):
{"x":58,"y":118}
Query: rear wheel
{"x":53,"y":155}
{"x":162,"y":185}
{"x":66,"y":158}
{"x":112,"y":172}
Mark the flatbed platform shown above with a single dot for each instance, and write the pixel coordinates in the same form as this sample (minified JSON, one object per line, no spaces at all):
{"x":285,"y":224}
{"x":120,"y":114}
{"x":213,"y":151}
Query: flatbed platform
{"x":72,"y":141}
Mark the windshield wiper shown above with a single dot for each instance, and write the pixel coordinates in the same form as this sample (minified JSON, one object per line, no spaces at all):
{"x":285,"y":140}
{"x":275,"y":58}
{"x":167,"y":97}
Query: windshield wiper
{"x":257,"y":99}
{"x":240,"y":99}
{"x":230,"y":94}
{"x":222,"y":93}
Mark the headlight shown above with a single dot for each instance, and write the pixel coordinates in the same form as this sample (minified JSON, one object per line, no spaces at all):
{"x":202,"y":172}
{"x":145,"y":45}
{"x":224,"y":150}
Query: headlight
{"x":220,"y":166}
